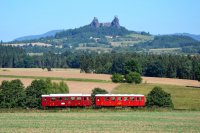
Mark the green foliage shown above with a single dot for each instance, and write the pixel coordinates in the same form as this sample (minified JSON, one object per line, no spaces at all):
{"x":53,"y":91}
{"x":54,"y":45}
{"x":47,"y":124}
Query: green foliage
{"x":60,"y":87}
{"x":133,"y":77}
{"x":34,"y":92}
{"x":12,"y":94}
{"x":197,"y":72}
{"x":99,"y":91}
{"x":158,"y":97}
{"x":117,"y":78}
{"x":41,"y":87}
{"x":132,"y":66}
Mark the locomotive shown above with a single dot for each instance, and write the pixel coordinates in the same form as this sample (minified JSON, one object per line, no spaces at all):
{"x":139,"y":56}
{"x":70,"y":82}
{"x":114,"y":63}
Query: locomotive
{"x":100,"y":100}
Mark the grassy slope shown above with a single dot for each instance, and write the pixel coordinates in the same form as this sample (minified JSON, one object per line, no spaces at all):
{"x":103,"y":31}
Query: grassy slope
{"x":183,"y":97}
{"x":119,"y":121}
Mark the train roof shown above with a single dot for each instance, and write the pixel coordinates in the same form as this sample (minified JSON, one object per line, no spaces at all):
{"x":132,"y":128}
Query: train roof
{"x":128,"y":95}
{"x":65,"y":95}
{"x":79,"y":95}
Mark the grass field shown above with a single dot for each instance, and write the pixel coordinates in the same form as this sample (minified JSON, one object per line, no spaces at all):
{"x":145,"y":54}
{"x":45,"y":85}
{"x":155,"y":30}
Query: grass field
{"x":182,"y":97}
{"x":98,"y":121}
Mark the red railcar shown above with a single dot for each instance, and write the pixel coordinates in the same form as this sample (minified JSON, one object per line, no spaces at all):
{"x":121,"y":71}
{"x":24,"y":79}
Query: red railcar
{"x":68,"y":100}
{"x":124,"y":100}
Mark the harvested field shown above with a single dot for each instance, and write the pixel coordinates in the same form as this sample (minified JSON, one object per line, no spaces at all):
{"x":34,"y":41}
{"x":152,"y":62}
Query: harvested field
{"x":170,"y":81}
{"x":64,"y":73}
{"x":75,"y":73}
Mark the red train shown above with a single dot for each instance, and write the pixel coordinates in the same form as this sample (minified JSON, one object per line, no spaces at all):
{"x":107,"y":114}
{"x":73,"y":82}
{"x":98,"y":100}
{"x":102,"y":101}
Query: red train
{"x":101,"y":100}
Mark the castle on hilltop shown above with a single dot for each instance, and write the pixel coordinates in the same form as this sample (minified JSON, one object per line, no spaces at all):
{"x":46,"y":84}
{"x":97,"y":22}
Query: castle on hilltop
{"x":115,"y":23}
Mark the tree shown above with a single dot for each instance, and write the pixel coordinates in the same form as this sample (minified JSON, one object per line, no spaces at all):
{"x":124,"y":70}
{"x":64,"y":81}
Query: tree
{"x":117,"y":78}
{"x":133,"y":77}
{"x":159,"y":98}
{"x":132,"y":66}
{"x":12,"y":94}
{"x":197,"y":72}
{"x":156,"y":69}
{"x":34,"y":92}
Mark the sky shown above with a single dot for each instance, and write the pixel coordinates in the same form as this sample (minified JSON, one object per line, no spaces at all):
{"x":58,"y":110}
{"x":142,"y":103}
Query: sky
{"x":32,"y":17}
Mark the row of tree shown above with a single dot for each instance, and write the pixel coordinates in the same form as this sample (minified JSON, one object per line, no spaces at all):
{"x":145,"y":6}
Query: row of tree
{"x":172,"y":66}
{"x":13,"y":94}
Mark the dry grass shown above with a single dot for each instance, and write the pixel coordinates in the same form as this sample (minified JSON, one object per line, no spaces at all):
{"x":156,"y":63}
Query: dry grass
{"x":75,"y":73}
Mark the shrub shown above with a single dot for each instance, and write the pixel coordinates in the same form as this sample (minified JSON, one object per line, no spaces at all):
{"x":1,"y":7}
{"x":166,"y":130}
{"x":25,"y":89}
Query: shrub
{"x":117,"y":78}
{"x":159,"y":98}
{"x":133,"y":77}
{"x":12,"y":94}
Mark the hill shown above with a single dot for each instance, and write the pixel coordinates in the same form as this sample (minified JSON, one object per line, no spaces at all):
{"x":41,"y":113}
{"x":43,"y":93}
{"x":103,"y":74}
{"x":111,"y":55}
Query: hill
{"x":196,"y":37}
{"x":111,"y":36}
{"x":33,"y":37}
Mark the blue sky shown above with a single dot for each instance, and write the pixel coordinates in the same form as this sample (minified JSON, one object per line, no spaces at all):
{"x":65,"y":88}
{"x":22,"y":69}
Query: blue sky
{"x":29,"y":17}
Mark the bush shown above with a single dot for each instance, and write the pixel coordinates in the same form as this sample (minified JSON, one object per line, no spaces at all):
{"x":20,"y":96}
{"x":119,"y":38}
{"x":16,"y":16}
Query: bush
{"x":117,"y":78}
{"x":133,"y":77}
{"x":159,"y":98}
{"x":12,"y":94}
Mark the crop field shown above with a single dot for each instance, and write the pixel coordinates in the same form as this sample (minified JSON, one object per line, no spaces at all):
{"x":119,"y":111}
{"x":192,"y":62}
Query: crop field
{"x":74,"y":74}
{"x":101,"y":121}
{"x":182,"y":97}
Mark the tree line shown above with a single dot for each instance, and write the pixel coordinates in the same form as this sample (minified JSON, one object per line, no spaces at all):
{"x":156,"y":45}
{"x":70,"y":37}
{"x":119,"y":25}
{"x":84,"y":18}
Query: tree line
{"x":13,"y":94}
{"x":171,"y":66}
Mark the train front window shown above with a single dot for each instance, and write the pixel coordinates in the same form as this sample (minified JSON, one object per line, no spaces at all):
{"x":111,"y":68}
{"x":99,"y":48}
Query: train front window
{"x":44,"y":99}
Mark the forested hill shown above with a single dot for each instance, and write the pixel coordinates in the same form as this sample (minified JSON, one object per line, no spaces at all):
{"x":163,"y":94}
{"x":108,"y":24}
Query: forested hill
{"x":111,"y":36}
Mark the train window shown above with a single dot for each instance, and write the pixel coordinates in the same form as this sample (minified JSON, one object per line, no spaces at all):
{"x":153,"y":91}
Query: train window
{"x":113,"y":98}
{"x":98,"y":98}
{"x":119,"y":98}
{"x":107,"y":98}
{"x":132,"y":98}
{"x":72,"y":98}
{"x":85,"y":98}
{"x":66,"y":98}
{"x":60,"y":98}
{"x":139,"y":98}
{"x":79,"y":98}
{"x":53,"y":99}
{"x":125,"y":98}
{"x":44,"y":99}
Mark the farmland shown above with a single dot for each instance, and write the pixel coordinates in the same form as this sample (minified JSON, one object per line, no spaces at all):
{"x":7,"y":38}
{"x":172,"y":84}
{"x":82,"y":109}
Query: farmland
{"x":101,"y":121}
{"x":182,"y":96}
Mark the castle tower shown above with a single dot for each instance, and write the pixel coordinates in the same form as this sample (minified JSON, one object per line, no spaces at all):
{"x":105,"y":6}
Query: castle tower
{"x":95,"y":22}
{"x":115,"y":22}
